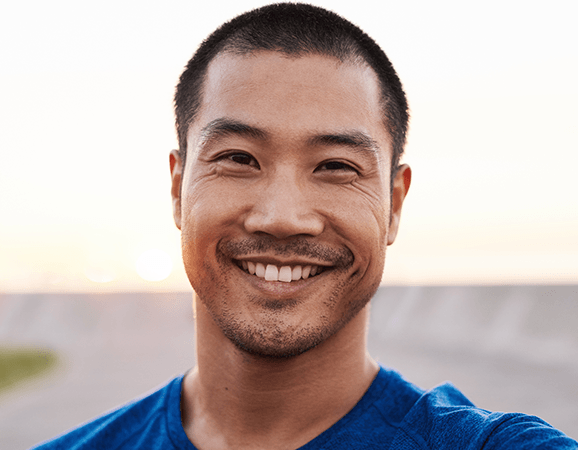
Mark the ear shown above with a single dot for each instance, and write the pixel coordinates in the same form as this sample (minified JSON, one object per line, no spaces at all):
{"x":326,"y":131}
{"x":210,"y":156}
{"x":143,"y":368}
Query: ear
{"x":401,"y":184}
{"x":176,"y":179}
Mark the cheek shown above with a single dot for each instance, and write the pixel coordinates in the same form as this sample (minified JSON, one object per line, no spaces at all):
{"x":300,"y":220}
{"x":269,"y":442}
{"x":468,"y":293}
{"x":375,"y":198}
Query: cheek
{"x":376,"y":213}
{"x":209,"y":206}
{"x":364,"y":221}
{"x":200,"y":234}
{"x":211,"y":212}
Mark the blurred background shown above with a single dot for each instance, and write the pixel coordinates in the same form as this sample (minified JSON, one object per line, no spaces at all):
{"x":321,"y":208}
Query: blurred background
{"x":480,"y":286}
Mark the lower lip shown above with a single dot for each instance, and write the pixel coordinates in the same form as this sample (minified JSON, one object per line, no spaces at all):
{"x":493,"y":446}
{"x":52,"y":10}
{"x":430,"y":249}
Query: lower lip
{"x":280,"y":288}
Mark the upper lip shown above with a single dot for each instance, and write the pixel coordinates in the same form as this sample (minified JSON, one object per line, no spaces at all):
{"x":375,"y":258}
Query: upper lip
{"x":281,"y":262}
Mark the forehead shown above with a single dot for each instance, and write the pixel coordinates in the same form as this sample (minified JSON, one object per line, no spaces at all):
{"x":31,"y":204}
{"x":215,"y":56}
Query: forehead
{"x":292,"y":96}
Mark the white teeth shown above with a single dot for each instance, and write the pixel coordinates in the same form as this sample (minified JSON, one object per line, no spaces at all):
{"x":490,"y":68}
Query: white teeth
{"x":271,"y":273}
{"x":285,"y":274}
{"x":296,"y":273}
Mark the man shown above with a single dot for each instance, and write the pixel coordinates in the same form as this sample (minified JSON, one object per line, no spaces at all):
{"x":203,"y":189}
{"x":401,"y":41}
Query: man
{"x":287,"y":189}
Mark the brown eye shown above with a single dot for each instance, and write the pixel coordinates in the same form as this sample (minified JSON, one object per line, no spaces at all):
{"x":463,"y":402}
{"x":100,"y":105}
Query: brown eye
{"x":336,"y":166}
{"x":241,"y":158}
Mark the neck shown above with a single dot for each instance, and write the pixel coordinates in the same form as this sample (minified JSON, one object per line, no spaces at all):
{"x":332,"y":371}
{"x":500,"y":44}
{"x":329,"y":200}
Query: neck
{"x":235,"y":400}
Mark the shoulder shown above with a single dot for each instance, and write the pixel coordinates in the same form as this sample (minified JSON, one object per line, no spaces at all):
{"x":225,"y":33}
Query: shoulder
{"x":398,"y":415}
{"x":443,"y":418}
{"x":141,"y":423}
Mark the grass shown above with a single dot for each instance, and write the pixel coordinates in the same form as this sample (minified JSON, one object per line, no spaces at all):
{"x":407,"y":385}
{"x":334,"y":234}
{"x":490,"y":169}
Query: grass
{"x":18,"y":364}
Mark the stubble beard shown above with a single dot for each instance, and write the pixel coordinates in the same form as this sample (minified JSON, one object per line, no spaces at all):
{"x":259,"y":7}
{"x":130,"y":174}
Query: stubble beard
{"x":270,"y":336}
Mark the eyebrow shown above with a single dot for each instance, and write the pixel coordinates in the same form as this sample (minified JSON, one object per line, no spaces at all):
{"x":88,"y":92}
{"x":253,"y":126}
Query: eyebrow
{"x":228,"y":127}
{"x":356,"y":140}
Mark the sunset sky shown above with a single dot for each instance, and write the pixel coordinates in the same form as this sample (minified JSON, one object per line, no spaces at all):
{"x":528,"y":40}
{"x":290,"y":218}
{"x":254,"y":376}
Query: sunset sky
{"x":87,"y":124}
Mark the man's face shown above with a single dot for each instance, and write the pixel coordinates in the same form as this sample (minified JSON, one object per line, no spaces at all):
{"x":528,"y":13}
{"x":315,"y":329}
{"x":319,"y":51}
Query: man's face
{"x":284,"y":206}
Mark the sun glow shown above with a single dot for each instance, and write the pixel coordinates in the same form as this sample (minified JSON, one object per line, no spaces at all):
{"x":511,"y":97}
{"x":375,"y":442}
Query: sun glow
{"x":99,"y":275}
{"x":154,"y":265}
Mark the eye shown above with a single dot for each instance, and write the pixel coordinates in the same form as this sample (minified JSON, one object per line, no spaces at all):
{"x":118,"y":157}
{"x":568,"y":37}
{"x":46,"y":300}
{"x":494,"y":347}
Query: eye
{"x":336,"y":166}
{"x":243,"y":159}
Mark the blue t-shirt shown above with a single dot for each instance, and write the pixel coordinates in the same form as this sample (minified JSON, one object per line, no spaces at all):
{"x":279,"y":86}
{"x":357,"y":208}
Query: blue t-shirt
{"x":393,"y":414}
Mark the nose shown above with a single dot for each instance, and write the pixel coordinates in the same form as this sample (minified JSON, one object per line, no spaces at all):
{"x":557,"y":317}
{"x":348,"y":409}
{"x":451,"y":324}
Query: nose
{"x":284,"y":207}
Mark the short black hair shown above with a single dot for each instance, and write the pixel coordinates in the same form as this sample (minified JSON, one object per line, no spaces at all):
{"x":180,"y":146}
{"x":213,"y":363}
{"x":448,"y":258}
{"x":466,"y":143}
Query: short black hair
{"x":295,"y":29}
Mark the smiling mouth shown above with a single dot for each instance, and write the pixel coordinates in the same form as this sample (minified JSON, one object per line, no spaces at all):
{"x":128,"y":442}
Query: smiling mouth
{"x":286,"y":274}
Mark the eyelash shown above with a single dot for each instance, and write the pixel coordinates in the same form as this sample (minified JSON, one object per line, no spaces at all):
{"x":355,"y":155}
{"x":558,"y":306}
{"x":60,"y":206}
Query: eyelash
{"x":230,"y":157}
{"x":343,"y":167}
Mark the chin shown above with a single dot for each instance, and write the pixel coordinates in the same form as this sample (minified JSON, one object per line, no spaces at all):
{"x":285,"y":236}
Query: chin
{"x":273,"y":338}
{"x":257,"y":343}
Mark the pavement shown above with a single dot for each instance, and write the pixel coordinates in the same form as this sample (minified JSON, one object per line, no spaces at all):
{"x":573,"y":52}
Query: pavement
{"x":508,"y":348}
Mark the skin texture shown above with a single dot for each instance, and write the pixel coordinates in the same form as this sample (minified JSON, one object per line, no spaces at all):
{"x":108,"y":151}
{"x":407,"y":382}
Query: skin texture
{"x":288,"y":162}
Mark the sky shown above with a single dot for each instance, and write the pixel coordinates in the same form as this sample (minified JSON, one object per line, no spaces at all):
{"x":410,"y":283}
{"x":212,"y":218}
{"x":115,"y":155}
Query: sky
{"x":87,"y":124}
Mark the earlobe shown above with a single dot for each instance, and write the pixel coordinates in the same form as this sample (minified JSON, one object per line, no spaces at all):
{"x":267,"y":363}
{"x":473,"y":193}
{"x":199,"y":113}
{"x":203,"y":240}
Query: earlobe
{"x":176,"y":179}
{"x":401,"y":185}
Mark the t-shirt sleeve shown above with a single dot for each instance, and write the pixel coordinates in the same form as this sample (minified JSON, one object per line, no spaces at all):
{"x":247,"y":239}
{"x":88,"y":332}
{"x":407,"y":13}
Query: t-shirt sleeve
{"x":522,"y":432}
{"x":444,"y":419}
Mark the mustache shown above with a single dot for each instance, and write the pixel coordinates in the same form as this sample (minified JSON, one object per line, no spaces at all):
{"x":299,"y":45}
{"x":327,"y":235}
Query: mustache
{"x":337,"y":257}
